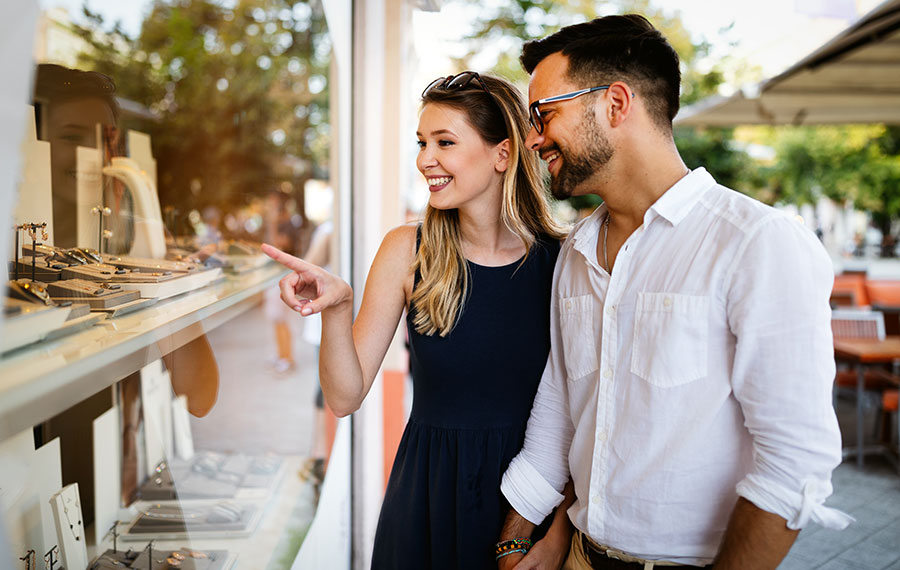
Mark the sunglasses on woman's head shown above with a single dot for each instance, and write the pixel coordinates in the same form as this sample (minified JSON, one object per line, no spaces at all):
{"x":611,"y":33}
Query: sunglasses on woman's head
{"x":458,"y":81}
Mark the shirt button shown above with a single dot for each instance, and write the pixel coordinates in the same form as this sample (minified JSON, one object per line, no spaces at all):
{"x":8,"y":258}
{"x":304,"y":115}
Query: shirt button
{"x":568,"y":305}
{"x":667,"y":302}
{"x":596,"y":499}
{"x":607,"y":373}
{"x":601,"y":435}
{"x":610,"y":311}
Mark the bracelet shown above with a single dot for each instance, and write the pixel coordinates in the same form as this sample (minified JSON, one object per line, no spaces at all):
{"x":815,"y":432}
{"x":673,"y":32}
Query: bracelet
{"x":520,"y":544}
{"x":522,"y":550}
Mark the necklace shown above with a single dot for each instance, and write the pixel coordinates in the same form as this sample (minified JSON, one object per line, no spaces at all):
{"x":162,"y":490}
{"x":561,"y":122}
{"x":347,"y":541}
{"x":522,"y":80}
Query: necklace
{"x":66,"y":502}
{"x":605,"y":250}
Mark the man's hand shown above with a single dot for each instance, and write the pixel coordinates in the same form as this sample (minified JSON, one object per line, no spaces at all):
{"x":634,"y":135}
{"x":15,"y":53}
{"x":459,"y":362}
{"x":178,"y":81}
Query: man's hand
{"x":548,"y":553}
{"x":515,"y":526}
{"x":510,"y":561}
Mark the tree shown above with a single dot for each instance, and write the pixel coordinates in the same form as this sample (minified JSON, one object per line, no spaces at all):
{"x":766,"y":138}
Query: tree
{"x":241,"y":93}
{"x":859,"y":164}
{"x":504,"y":27}
{"x":716,"y":150}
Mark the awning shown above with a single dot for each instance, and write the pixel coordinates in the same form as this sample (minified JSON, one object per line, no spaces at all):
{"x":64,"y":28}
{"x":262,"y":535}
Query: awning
{"x":854,"y":78}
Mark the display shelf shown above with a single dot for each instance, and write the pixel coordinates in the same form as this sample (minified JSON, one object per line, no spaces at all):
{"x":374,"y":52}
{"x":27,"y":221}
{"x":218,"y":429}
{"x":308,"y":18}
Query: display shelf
{"x":253,"y":552}
{"x":44,"y":379}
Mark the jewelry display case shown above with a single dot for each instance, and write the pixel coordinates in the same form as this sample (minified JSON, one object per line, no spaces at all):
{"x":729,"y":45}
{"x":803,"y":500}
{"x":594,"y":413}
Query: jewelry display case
{"x":153,"y":431}
{"x":40,"y":381}
{"x":214,"y":504}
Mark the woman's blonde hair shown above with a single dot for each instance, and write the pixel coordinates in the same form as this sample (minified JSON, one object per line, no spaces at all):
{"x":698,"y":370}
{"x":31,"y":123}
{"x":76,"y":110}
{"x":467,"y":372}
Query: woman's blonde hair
{"x":496,"y":110}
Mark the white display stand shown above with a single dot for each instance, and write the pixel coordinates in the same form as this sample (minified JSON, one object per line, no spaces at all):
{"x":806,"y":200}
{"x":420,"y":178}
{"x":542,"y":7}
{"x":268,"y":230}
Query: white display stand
{"x":70,"y":529}
{"x":107,"y":472}
{"x":149,"y":232}
{"x":35,"y":200}
{"x":181,"y":427}
{"x":89,"y":193}
{"x":140,"y":151}
{"x":27,"y":480}
{"x":33,"y":323}
{"x":156,"y":401}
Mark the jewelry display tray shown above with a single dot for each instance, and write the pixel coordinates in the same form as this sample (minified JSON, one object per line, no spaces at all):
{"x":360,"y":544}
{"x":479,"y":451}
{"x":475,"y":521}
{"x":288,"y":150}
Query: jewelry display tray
{"x":215,"y":560}
{"x":74,"y":291}
{"x":214,"y":475}
{"x":193,"y":522}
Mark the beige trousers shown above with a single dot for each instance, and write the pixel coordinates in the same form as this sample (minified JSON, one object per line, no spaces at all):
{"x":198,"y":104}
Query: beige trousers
{"x":578,"y":558}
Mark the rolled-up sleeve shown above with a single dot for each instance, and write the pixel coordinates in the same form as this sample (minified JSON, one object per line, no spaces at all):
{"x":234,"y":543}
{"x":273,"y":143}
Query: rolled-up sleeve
{"x":535,"y":478}
{"x":778,"y":309}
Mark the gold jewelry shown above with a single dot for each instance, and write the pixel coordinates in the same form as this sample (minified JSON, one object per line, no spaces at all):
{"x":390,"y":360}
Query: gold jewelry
{"x":51,"y":558}
{"x":29,"y":559}
{"x":31,"y":290}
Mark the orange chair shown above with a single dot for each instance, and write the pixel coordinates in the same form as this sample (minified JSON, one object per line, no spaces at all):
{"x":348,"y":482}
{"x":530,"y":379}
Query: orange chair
{"x":883,"y":292}
{"x":884,"y":295}
{"x":849,"y":290}
{"x":866,"y":324}
{"x":860,"y":324}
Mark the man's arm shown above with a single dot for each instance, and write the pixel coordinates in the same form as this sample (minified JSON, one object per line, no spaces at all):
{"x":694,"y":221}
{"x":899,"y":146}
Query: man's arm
{"x":550,"y":552}
{"x":781,"y":376}
{"x":754,"y":539}
{"x":535,"y":477}
{"x":515,"y":526}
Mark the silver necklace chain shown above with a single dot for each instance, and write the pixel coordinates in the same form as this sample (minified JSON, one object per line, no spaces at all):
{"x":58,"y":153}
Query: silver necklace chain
{"x":605,"y":250}
{"x":68,"y":520}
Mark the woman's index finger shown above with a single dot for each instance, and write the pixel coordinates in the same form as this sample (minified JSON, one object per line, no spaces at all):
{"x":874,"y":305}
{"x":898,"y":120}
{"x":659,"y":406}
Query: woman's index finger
{"x":283,"y":258}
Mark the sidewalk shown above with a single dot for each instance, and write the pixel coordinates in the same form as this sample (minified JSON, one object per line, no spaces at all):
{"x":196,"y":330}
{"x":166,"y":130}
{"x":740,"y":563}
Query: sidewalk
{"x":872,"y":496}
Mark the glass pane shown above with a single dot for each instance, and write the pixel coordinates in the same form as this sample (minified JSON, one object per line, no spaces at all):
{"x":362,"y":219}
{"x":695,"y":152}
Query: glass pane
{"x":162,"y":407}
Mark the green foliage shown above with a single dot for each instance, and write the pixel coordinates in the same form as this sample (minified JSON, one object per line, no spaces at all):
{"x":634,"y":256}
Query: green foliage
{"x":510,"y":24}
{"x":241,"y":93}
{"x":714,"y":149}
{"x":859,"y":164}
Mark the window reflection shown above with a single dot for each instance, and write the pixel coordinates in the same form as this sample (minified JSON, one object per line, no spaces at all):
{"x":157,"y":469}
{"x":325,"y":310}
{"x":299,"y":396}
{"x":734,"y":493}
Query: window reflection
{"x":175,"y":151}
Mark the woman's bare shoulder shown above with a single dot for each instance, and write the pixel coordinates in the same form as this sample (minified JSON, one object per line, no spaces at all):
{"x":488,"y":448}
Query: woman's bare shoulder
{"x":400,"y":242}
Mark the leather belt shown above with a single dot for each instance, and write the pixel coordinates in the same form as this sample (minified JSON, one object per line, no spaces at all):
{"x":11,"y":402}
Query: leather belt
{"x":602,"y":558}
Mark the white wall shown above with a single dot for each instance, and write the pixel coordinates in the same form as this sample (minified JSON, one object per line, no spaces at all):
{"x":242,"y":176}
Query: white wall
{"x":16,"y":40}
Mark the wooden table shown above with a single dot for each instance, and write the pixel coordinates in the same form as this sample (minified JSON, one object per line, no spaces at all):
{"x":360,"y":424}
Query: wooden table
{"x":863,"y":353}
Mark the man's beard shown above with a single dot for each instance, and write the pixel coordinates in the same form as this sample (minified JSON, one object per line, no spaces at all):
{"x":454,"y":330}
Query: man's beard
{"x":577,"y":167}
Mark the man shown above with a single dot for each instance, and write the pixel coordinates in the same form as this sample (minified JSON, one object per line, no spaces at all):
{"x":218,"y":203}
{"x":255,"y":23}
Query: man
{"x":688,"y":389}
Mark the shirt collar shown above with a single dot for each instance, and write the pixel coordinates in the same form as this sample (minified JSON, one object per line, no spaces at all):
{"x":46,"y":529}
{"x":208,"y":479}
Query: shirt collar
{"x":585,"y":235}
{"x":677,"y":201}
{"x":673,"y":205}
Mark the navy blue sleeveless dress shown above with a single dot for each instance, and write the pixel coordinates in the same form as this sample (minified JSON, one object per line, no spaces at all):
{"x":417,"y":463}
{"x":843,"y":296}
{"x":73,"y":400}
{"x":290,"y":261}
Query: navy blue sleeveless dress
{"x":472,"y":394}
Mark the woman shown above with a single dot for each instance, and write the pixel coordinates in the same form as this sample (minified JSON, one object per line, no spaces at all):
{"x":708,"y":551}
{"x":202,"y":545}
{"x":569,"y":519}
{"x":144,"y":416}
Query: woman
{"x":475,"y":280}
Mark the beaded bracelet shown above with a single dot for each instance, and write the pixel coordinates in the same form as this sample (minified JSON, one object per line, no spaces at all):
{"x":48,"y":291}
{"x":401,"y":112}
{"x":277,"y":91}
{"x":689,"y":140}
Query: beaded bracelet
{"x":513,"y":551}
{"x":521,"y":544}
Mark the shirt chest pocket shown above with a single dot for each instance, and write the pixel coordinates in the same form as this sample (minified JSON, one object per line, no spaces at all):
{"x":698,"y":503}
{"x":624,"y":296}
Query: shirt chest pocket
{"x":671,"y":338}
{"x":576,"y":321}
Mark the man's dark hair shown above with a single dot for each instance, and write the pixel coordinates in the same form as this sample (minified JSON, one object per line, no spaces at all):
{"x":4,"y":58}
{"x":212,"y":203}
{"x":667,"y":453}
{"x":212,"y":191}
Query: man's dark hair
{"x":617,"y":48}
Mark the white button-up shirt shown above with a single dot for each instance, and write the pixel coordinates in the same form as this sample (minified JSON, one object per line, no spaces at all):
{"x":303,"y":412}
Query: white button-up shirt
{"x":699,"y":371}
